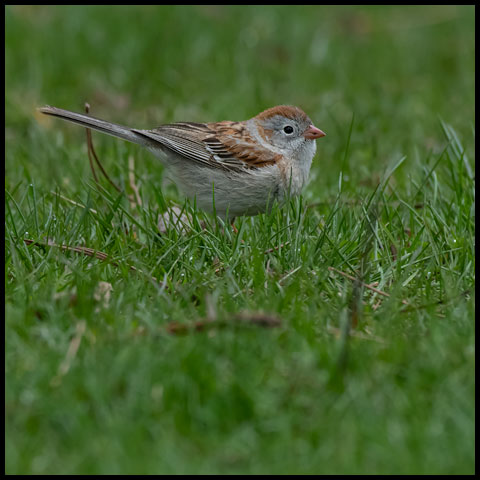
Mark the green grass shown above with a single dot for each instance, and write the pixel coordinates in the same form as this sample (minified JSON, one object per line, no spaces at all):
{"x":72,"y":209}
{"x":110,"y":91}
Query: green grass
{"x":101,"y":386}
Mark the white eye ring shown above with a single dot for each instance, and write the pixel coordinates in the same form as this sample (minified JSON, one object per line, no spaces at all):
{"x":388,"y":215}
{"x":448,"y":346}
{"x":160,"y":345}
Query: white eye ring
{"x":288,"y":129}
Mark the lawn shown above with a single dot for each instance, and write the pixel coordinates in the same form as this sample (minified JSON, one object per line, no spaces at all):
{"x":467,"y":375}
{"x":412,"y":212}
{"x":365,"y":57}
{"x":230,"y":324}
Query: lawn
{"x":334,"y":335}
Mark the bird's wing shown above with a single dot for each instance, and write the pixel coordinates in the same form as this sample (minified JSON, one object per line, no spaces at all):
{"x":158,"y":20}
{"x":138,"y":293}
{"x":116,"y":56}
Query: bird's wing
{"x":217,"y":145}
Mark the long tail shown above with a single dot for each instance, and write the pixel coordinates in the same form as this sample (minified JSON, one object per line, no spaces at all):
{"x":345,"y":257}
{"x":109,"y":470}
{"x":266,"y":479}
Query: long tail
{"x":100,"y":125}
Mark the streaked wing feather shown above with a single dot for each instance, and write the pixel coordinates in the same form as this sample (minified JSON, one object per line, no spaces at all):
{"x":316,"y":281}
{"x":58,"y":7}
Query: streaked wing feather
{"x":178,"y":138}
{"x":210,"y":144}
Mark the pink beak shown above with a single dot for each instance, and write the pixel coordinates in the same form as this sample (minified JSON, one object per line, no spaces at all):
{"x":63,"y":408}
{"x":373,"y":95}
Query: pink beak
{"x":313,"y":133}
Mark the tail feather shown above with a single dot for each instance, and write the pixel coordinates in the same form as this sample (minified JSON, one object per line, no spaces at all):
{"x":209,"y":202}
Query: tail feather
{"x":100,"y":125}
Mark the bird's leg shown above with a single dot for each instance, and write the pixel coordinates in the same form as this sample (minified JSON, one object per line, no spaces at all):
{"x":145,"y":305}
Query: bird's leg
{"x":232,"y":224}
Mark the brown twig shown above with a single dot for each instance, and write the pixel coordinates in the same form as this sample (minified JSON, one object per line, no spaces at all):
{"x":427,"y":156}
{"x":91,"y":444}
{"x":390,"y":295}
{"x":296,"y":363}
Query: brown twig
{"x":91,"y":153}
{"x":253,"y":318}
{"x":270,"y":250}
{"x":366,"y":285}
{"x":90,"y":150}
{"x":89,"y":252}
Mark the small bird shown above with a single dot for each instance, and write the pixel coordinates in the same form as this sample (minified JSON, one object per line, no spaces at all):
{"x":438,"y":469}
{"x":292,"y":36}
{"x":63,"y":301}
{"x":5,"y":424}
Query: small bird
{"x":231,"y":168}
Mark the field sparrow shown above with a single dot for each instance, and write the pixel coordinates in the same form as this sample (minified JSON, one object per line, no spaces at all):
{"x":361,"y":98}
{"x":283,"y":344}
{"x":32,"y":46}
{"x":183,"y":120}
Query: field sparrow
{"x":241,"y":167}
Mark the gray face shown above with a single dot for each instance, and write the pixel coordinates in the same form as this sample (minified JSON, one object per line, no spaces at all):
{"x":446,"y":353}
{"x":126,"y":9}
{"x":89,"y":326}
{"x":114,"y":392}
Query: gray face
{"x":287,"y":134}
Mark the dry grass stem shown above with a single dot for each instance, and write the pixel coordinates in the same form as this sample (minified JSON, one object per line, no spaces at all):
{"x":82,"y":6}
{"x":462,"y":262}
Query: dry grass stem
{"x":270,"y":250}
{"x":73,"y":202}
{"x":366,"y":285}
{"x":133,"y":185}
{"x":92,"y":153}
{"x":247,"y":318}
{"x":64,"y":367}
{"x":90,"y":252}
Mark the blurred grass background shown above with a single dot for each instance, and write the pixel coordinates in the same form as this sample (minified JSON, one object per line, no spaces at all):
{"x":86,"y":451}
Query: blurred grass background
{"x":377,"y":80}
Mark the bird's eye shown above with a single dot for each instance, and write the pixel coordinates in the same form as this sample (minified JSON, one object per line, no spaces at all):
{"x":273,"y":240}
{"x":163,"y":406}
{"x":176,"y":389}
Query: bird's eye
{"x":288,"y":129}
